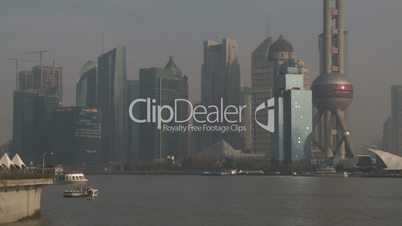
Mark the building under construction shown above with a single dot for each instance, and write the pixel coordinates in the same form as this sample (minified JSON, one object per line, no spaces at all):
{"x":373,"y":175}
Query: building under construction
{"x":45,"y":80}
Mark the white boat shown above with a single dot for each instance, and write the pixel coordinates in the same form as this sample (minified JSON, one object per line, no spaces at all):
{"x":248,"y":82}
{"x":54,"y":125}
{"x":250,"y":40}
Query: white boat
{"x":70,"y":178}
{"x":81,"y":191}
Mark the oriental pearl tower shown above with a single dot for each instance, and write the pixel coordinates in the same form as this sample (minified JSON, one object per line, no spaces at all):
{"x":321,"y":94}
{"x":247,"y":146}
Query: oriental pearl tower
{"x":332,"y":91}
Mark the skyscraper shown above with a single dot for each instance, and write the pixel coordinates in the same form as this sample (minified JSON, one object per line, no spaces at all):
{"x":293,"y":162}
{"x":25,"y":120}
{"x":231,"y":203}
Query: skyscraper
{"x":32,"y":114}
{"x":293,"y":116}
{"x":396,"y":119}
{"x":76,"y":135}
{"x":133,"y":93}
{"x":111,"y":98}
{"x":262,"y":83}
{"x":182,"y":109}
{"x":387,"y":144}
{"x":160,"y":86}
{"x":86,"y":85}
{"x":248,"y":117}
{"x":220,"y":79}
{"x":266,"y":60}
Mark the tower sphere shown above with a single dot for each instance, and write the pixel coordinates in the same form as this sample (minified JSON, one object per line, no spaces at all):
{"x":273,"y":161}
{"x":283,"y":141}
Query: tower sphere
{"x":332,"y":91}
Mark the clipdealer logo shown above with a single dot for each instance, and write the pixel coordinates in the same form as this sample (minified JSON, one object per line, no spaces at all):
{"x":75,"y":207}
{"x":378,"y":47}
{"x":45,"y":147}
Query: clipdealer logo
{"x":218,"y":118}
{"x":270,"y":106}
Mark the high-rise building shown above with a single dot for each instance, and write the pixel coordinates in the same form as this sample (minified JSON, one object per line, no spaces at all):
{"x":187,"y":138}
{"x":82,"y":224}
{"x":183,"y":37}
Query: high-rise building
{"x":32,"y":114}
{"x":266,"y":60}
{"x":160,"y":86}
{"x":293,"y":116}
{"x":133,"y":93}
{"x":262,"y":83}
{"x":86,"y":85}
{"x":111,"y":99}
{"x":387,"y":136}
{"x":248,"y":117}
{"x":76,"y":135}
{"x":182,"y":108}
{"x":44,"y":80}
{"x":396,"y":119}
{"x":220,"y":79}
{"x":48,"y":80}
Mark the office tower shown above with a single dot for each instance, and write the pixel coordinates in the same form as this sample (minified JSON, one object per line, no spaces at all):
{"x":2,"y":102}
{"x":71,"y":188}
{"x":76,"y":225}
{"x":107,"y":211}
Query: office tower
{"x":396,"y":119}
{"x":133,"y":93}
{"x":48,"y":80}
{"x":111,"y":98}
{"x":76,"y":135}
{"x":387,"y":136}
{"x":182,"y":108}
{"x":220,"y":79}
{"x":248,"y":116}
{"x":86,"y":85}
{"x":293,"y":117}
{"x":160,"y":86}
{"x":266,"y":60}
{"x":31,"y":121}
{"x":332,"y":91}
{"x":262,"y":83}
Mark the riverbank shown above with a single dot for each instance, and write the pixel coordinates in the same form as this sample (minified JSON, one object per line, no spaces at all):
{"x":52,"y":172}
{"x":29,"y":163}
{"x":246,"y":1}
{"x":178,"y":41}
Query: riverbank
{"x":21,"y":199}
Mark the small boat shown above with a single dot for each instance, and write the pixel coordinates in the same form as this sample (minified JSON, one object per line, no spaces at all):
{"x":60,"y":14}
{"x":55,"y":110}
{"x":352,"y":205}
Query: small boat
{"x":217,"y":173}
{"x":81,"y":191}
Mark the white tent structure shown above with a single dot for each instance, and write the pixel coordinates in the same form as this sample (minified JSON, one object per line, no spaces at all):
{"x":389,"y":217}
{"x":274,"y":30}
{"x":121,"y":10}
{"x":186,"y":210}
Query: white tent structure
{"x":391,"y":161}
{"x":5,"y":161}
{"x":17,"y":161}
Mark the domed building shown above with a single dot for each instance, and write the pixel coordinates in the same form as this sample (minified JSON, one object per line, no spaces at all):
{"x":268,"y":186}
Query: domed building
{"x":281,"y":50}
{"x":266,"y":62}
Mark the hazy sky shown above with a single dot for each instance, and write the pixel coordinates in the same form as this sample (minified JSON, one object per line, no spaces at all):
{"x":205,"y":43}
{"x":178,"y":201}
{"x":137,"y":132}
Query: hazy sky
{"x":154,"y":29}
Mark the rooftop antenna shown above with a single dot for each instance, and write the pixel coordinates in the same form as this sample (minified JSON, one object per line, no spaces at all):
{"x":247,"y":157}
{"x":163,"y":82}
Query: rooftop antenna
{"x":268,"y":28}
{"x":102,"y":44}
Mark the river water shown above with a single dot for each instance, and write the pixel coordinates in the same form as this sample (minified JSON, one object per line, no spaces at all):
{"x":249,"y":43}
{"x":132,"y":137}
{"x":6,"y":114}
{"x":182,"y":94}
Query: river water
{"x":227,"y":200}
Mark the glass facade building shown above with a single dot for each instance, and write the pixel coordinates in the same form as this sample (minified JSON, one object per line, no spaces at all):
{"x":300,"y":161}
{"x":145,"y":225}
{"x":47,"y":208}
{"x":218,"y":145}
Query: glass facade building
{"x":161,"y":85}
{"x":111,"y":99}
{"x":86,"y":85}
{"x":293,"y":117}
{"x":76,"y":135}
{"x":396,"y":119}
{"x":133,"y":93}
{"x":31,"y":123}
{"x":220,"y":79}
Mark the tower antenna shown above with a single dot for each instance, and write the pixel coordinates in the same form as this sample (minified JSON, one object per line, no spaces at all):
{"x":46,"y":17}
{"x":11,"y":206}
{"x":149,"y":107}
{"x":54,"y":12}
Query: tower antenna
{"x":102,"y":44}
{"x":268,"y":28}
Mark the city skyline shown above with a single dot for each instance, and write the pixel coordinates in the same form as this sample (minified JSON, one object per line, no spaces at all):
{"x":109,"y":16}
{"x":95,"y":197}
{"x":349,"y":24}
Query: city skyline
{"x":360,"y":28}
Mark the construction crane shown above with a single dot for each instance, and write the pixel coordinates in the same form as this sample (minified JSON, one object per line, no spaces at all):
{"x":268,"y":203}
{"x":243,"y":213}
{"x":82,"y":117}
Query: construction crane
{"x":41,"y":52}
{"x":17,"y":60}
